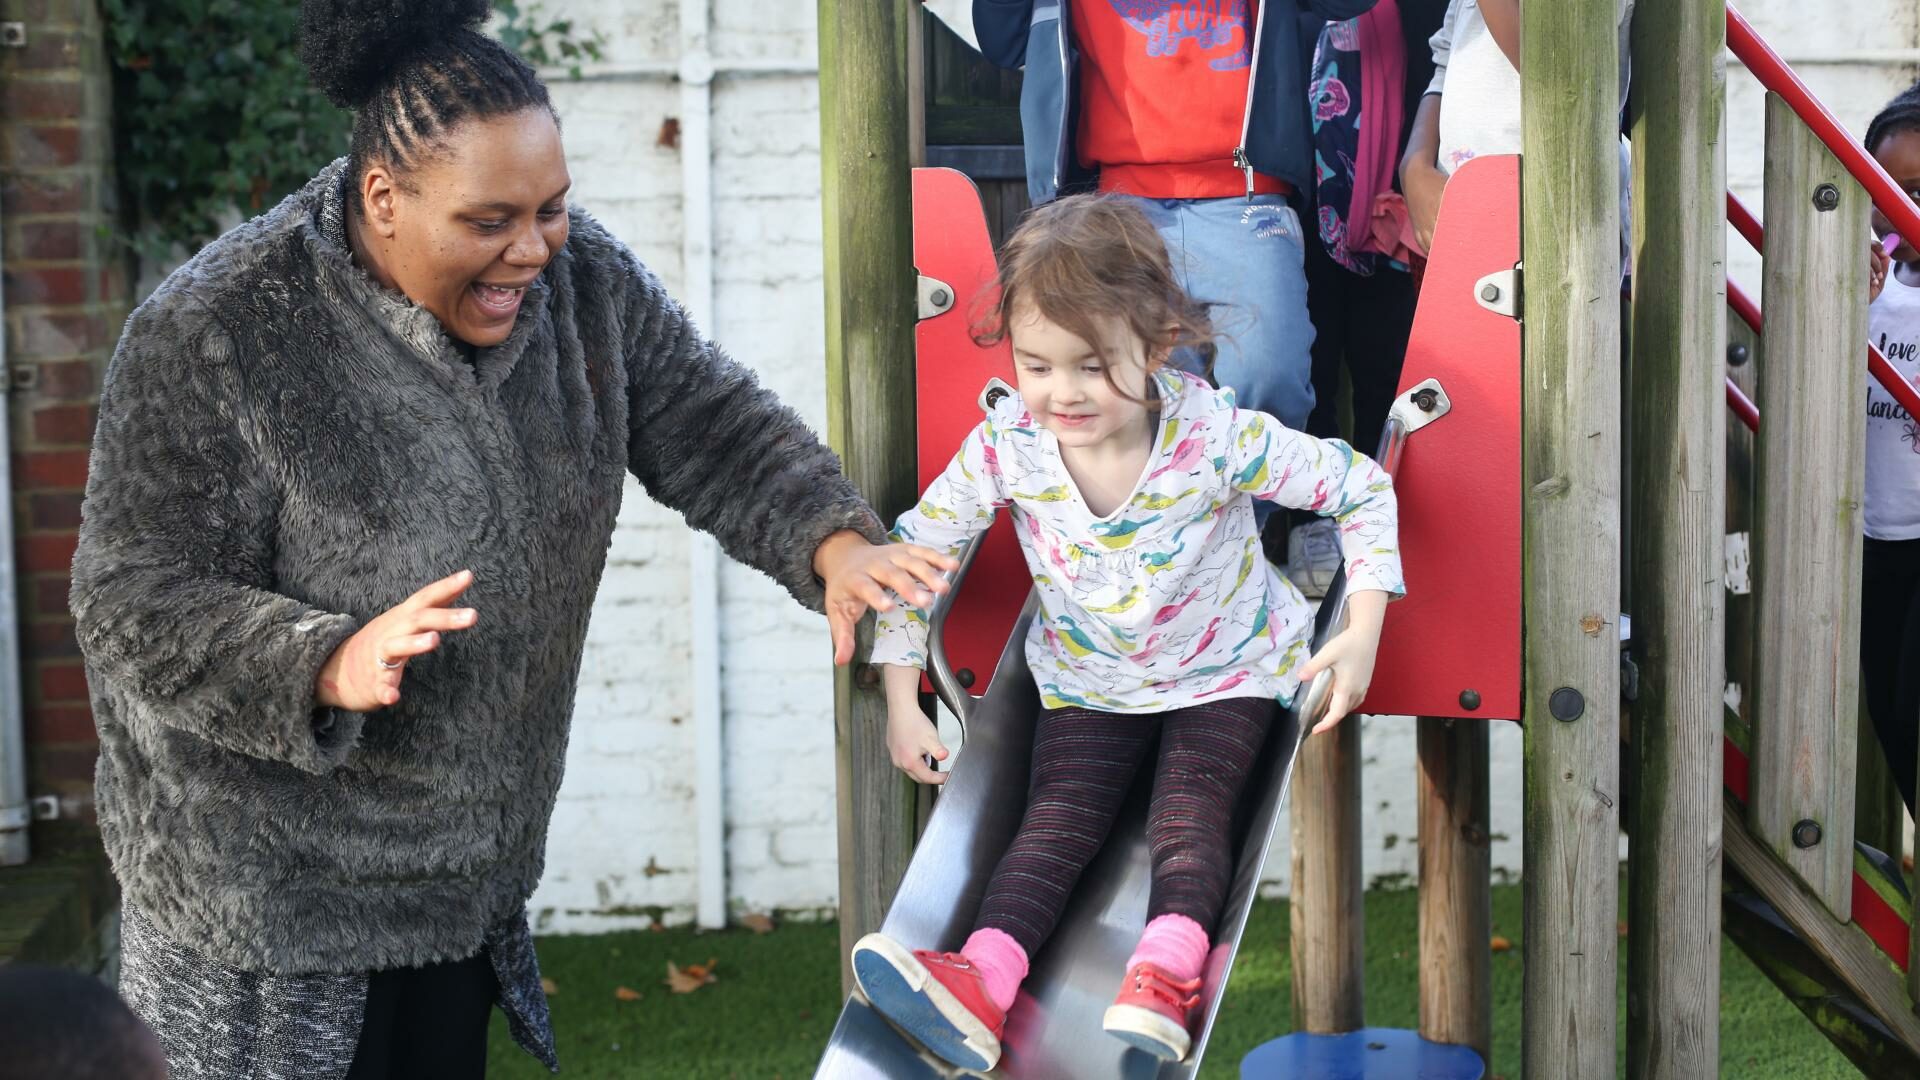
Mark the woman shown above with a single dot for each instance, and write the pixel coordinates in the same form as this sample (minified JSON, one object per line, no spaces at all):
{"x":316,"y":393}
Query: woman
{"x":357,"y":468}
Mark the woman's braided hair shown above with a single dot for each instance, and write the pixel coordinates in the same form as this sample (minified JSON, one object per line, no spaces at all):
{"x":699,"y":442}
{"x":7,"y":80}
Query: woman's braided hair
{"x":1901,"y":114}
{"x":410,"y":71}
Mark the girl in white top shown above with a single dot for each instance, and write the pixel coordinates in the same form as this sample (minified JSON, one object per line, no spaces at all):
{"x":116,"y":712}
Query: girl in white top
{"x":1472,"y":107}
{"x":1890,"y":555}
{"x":1131,"y":487}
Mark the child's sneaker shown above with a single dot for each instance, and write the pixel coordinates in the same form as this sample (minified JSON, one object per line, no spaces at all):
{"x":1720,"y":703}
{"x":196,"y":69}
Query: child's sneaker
{"x":1313,"y":557}
{"x":1151,"y":1012}
{"x":938,"y":998}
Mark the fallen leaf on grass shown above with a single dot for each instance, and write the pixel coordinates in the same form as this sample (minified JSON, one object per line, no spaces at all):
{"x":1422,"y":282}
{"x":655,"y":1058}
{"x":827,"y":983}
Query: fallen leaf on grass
{"x":1623,"y":928}
{"x":549,"y":987}
{"x":685,"y":980}
{"x":626,"y":994}
{"x":1499,"y":944}
{"x":759,"y":924}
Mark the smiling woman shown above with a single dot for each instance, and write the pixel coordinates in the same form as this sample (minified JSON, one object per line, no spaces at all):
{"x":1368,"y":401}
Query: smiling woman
{"x":353,"y":485}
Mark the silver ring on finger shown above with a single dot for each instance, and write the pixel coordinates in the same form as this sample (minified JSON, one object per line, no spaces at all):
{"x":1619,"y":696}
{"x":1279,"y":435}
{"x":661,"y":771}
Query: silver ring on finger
{"x":387,"y":665}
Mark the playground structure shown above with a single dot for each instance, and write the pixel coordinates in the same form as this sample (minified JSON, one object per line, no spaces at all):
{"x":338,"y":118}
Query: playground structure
{"x":1517,"y":318}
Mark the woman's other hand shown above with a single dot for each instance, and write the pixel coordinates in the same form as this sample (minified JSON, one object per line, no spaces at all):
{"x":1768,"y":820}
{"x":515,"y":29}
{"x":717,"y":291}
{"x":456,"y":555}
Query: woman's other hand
{"x":1877,"y":263}
{"x":364,"y":673}
{"x":858,"y":575}
{"x":1349,"y":656}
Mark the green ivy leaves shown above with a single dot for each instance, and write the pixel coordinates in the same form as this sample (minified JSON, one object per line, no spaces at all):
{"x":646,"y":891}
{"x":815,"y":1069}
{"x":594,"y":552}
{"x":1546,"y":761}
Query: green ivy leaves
{"x":213,"y":114}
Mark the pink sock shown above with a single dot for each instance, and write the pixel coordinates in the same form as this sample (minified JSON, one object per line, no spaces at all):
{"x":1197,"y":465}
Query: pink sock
{"x":1176,"y":945}
{"x":1002,"y":963}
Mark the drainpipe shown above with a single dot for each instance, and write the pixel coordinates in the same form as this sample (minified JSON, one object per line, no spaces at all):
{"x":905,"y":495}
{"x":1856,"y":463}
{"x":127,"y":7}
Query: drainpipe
{"x":15,"y":811}
{"x":696,"y":261}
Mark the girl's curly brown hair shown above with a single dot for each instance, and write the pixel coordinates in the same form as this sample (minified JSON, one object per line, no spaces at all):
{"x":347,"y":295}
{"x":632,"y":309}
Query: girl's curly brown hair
{"x":1085,"y":260}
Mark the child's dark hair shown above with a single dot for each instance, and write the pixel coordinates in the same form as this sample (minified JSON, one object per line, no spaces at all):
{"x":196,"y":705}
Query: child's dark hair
{"x":55,"y":1022}
{"x":1901,"y":114}
{"x":410,"y":70}
{"x":1083,"y":260}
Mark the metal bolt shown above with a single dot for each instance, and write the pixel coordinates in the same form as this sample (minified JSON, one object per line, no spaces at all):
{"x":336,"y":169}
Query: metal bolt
{"x":1426,"y":400}
{"x":1806,"y":833}
{"x":1490,"y":292}
{"x":13,"y":35}
{"x":1470,"y":700}
{"x":1826,"y":197}
{"x":1567,"y":704}
{"x":965,"y":676}
{"x":1737,"y":354}
{"x":940,"y":297}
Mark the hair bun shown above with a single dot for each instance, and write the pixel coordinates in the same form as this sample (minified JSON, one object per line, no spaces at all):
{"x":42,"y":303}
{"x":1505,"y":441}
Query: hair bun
{"x":351,"y":47}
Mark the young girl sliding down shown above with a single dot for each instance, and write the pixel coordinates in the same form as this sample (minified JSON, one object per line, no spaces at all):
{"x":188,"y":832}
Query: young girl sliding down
{"x":1131,"y":486}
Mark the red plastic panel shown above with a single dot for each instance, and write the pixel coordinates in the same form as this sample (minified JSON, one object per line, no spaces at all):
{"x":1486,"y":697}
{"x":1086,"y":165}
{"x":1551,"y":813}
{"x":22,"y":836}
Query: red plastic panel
{"x":1458,"y":628}
{"x":950,"y":243}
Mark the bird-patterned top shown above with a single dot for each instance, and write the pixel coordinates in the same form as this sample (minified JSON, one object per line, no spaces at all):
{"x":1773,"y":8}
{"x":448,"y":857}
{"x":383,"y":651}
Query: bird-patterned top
{"x":1167,"y":601}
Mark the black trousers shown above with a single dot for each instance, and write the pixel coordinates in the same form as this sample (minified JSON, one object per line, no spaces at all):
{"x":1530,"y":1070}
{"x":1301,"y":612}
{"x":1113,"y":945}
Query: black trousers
{"x":427,"y":1023}
{"x":1360,"y":324}
{"x":1890,"y":651}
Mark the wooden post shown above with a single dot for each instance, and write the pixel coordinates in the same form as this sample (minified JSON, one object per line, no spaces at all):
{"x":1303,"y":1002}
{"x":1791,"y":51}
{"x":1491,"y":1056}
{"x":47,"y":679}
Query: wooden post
{"x":1807,"y":511}
{"x":1678,"y":483}
{"x":866,"y":190}
{"x":1570,"y":453}
{"x":1327,"y":923}
{"x":1456,"y":899}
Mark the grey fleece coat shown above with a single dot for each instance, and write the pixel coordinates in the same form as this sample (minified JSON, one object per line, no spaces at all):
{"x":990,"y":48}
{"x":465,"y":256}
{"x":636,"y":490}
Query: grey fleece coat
{"x":284,"y":450}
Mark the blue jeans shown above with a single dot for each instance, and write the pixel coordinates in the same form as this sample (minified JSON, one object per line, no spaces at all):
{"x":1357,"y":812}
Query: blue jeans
{"x":1248,"y":259}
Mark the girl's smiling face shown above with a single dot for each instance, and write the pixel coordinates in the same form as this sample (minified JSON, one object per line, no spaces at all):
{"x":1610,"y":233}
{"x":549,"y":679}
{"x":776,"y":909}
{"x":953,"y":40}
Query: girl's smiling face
{"x":1086,"y":395}
{"x":1899,"y":154}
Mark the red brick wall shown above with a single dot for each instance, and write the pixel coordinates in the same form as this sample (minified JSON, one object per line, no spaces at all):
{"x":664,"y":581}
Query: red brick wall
{"x":66,"y":295}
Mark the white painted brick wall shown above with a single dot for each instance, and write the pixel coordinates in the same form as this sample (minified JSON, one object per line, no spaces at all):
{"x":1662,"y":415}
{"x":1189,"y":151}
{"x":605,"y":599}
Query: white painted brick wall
{"x":622,"y":847}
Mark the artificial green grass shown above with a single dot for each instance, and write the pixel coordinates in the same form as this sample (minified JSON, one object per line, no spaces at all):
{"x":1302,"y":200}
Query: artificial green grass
{"x":773,"y":1005}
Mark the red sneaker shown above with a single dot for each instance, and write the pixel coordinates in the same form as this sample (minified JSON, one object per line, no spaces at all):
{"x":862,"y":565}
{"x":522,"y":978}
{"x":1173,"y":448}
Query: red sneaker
{"x":938,"y":998}
{"x":1151,"y":1012}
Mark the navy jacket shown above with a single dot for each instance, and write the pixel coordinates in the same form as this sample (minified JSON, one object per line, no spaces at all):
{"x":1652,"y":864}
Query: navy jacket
{"x":1277,"y":136}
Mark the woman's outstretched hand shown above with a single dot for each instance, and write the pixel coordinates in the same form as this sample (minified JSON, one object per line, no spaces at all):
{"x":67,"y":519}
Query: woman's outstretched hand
{"x":858,"y":574}
{"x":363,"y":674}
{"x":1350,"y":655}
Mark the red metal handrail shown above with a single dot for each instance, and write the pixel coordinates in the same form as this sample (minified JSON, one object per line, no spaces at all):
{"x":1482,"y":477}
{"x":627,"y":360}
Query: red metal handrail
{"x":1749,"y":226}
{"x":1775,"y":75}
{"x":1744,"y":222}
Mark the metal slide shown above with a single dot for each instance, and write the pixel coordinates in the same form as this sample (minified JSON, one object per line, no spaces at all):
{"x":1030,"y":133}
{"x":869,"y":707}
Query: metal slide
{"x":1054,"y":1030}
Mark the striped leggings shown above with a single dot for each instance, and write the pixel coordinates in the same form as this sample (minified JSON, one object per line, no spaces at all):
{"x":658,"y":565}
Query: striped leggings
{"x":1083,"y":763}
